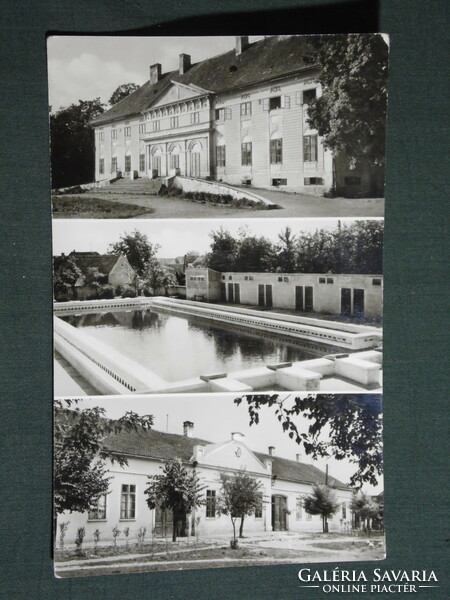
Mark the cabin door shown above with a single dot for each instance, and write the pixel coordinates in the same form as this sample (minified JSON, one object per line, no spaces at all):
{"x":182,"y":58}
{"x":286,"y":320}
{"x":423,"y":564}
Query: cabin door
{"x":346,"y":302}
{"x":358,"y":303}
{"x":309,"y":301}
{"x":298,"y":297}
{"x":230,"y":292}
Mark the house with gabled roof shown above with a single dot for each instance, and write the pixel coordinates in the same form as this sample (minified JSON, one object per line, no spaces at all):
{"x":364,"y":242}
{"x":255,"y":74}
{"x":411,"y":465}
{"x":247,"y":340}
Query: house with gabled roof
{"x":240,"y":117}
{"x":284,"y":484}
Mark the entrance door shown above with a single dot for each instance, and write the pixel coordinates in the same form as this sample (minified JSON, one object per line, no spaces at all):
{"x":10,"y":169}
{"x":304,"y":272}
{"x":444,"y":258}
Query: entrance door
{"x":279,"y":511}
{"x":195,"y":164}
{"x":237,"y":293}
{"x":298,"y":297}
{"x":230,"y":292}
{"x":261,"y":295}
{"x":223,"y":291}
{"x":157,"y":165}
{"x":358,"y":303}
{"x":309,"y":298}
{"x":346,"y":302}
{"x":269,"y":301}
{"x":163,"y":522}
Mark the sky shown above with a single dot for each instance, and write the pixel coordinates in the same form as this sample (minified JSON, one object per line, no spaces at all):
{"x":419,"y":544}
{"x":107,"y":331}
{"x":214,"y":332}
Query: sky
{"x":87,"y":67}
{"x":215,"y":417}
{"x":175,"y":237}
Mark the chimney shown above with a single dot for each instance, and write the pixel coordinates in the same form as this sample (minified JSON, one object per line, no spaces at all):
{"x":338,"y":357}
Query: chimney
{"x":188,"y":426}
{"x":185,"y":63}
{"x":271,"y":450}
{"x":155,"y":73}
{"x":241,"y":44}
{"x":298,"y":458}
{"x":237,"y":436}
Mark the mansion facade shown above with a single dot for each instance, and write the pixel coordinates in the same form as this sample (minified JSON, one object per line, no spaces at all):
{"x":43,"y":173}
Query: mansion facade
{"x":239,"y":117}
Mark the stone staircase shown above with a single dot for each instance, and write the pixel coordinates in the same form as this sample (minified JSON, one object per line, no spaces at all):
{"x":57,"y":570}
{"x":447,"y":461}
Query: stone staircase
{"x":142,"y":186}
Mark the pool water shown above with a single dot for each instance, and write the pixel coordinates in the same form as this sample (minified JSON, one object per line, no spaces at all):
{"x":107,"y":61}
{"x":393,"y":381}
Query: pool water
{"x":177,"y":347}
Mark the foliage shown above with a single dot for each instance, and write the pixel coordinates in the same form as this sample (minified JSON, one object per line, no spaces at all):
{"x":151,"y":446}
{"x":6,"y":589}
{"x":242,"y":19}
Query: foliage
{"x":351,"y":112}
{"x":80,"y":473}
{"x":352,"y":424}
{"x":138,"y":249}
{"x":63,"y":527}
{"x":122,"y":92}
{"x":322,"y":501}
{"x":66,"y":273}
{"x":175,"y":489}
{"x":73,"y":144}
{"x":350,"y":248}
{"x":366,"y":507}
{"x":116,"y":532}
{"x":140,"y":536}
{"x":81,"y":532}
{"x":96,"y":539}
{"x":160,"y":276}
{"x":239,"y":496}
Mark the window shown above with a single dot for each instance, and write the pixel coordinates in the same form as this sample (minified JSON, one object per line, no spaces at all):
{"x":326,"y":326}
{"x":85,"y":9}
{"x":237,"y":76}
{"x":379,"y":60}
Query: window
{"x":98,"y":510}
{"x":127,"y":131}
{"x":344,"y":510}
{"x":142,"y":128}
{"x":275,"y":103}
{"x":210,"y":504}
{"x":173,"y":122}
{"x":246,"y":153}
{"x":376,"y":281}
{"x":101,"y":166}
{"x":310,"y":148}
{"x":280,"y":279}
{"x":285,"y":279}
{"x":259,"y":507}
{"x":277,"y":182}
{"x":175,"y":160}
{"x":299,"y":508}
{"x":128,"y":502}
{"x":156,"y":125}
{"x":308,"y":517}
{"x":101,"y":136}
{"x":195,"y":118}
{"x":248,"y":278}
{"x":309,"y":95}
{"x":313,"y":181}
{"x":322,"y":280}
{"x":330,"y":280}
{"x":141,"y":162}
{"x":220,"y":114}
{"x":197,"y":278}
{"x":114,"y":164}
{"x":246,"y":109}
{"x":114,"y":134}
{"x":230,"y":276}
{"x":276,"y":151}
{"x":127,"y":164}
{"x":220,"y":156}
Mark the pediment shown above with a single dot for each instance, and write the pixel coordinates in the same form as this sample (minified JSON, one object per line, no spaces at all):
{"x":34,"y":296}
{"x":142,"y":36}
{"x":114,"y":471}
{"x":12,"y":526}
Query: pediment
{"x":233,"y":455}
{"x":178,"y":91}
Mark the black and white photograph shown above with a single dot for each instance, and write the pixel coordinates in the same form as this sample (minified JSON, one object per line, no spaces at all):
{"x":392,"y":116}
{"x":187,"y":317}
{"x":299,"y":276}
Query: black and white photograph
{"x":165,"y":308}
{"x":211,"y":127}
{"x":174,"y":483}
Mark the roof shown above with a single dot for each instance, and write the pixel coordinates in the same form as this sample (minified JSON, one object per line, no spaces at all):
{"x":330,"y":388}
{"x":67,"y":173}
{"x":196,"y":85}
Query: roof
{"x":267,"y":59}
{"x":162,"y":446}
{"x":104,"y":263}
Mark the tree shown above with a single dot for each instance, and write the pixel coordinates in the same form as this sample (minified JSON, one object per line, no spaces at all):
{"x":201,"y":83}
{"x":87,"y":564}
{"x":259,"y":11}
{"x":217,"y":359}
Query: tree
{"x":351,"y":112}
{"x":254,"y":253}
{"x":160,"y":276}
{"x":322,"y":501}
{"x":239,"y":496}
{"x":286,"y":251}
{"x":138,"y":249}
{"x":176,"y":489}
{"x":122,"y":92}
{"x":80,"y":474}
{"x":366,"y":507}
{"x":223,"y":251}
{"x":345,"y":426}
{"x":73,"y":143}
{"x":66,"y":273}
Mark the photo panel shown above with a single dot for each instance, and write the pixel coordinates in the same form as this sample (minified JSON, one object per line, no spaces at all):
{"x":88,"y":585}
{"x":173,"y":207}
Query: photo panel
{"x":150,"y":483}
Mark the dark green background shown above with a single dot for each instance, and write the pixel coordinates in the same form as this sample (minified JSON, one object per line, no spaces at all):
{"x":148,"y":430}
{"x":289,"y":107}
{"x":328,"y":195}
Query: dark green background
{"x":416,"y":430}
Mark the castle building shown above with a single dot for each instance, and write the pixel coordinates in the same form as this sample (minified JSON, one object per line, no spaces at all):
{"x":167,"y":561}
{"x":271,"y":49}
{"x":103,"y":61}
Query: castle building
{"x":239,"y":117}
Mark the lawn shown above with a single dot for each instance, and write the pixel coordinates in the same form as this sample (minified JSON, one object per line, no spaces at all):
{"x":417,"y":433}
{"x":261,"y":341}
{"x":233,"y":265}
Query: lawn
{"x":85,"y":207}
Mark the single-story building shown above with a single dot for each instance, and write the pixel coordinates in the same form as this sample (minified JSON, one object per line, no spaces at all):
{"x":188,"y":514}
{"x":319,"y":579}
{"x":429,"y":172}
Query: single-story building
{"x":284,"y":484}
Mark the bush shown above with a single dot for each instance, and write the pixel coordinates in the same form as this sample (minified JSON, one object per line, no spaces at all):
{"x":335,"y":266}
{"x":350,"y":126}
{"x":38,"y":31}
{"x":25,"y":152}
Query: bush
{"x":107,"y":292}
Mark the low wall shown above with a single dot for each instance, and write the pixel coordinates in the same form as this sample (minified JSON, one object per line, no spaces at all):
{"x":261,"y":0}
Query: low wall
{"x":189,"y":184}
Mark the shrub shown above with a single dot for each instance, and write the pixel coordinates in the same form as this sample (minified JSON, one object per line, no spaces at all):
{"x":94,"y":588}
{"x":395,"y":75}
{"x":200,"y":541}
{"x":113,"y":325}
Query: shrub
{"x":141,"y":536}
{"x":62,"y":533}
{"x":106,"y":292}
{"x":96,"y":540}
{"x":116,"y":533}
{"x":81,"y":532}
